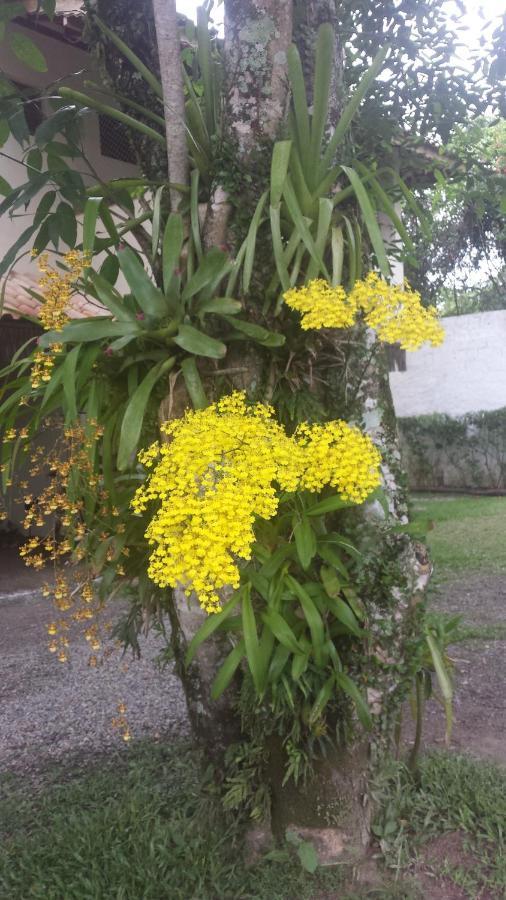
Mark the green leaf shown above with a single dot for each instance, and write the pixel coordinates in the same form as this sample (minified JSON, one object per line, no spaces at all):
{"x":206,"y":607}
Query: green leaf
{"x":324,"y":59}
{"x":330,"y":504}
{"x":444,"y":682}
{"x":54,"y":124}
{"x":330,"y":581}
{"x":227,"y":671}
{"x":279,"y":169}
{"x":299,"y":665}
{"x":257,"y":333}
{"x":322,"y":698}
{"x":5,"y":187}
{"x":27,"y":51}
{"x":171,"y":247}
{"x":88,"y":330}
{"x":69,"y":384}
{"x":205,"y":59}
{"x":349,"y":687}
{"x":90,"y":223}
{"x":281,"y":630}
{"x":370,"y":220}
{"x":67,"y":223}
{"x":337,"y":244}
{"x":302,"y":228}
{"x":111,"y":298}
{"x":211,"y":624}
{"x":276,"y":560}
{"x":148,"y":296}
{"x":44,"y":207}
{"x":312,"y":615}
{"x":86,"y":101}
{"x":352,"y":252}
{"x":155,"y":227}
{"x":277,"y":246}
{"x":343,"y":614}
{"x":322,"y":234}
{"x":360,"y":92}
{"x":278,"y":662}
{"x":305,"y":541}
{"x":194,"y":213}
{"x":10,"y":256}
{"x":132,"y":57}
{"x":331,"y":556}
{"x":300,"y":110}
{"x":210,"y":271}
{"x":251,"y":244}
{"x":193,"y":383}
{"x":223,"y":306}
{"x":109,"y":270}
{"x":4,"y":136}
{"x":308,"y":856}
{"x":194,"y":341}
{"x":131,"y":425}
{"x":251,"y":642}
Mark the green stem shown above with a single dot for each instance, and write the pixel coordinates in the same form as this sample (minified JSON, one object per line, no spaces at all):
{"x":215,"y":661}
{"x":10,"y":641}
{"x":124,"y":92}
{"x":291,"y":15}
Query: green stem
{"x":420,"y":704}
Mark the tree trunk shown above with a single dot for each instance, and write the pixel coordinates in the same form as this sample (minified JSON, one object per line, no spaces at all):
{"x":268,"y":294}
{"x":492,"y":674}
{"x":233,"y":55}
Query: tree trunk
{"x":167,"y":37}
{"x":257,"y":36}
{"x":332,"y":808}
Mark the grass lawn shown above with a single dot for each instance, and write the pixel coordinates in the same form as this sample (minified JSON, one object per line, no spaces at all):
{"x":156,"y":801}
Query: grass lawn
{"x":468,"y":533}
{"x":145,"y":827}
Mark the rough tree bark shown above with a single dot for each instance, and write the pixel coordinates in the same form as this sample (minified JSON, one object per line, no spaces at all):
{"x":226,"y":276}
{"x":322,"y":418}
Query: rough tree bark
{"x":167,"y":36}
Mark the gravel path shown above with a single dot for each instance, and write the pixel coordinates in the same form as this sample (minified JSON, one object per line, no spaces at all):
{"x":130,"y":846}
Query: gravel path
{"x":53,"y":712}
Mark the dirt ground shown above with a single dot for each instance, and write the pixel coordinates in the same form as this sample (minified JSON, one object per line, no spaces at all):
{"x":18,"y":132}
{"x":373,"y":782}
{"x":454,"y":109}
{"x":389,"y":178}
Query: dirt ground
{"x":480,"y":670}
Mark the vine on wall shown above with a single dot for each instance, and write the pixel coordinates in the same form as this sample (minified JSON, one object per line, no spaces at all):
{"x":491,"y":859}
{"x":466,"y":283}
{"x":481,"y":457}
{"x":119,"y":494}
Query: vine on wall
{"x":441,"y":451}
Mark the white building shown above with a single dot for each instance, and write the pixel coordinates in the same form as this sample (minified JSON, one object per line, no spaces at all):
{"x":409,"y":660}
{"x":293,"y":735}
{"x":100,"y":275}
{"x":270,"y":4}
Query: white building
{"x":466,"y":374}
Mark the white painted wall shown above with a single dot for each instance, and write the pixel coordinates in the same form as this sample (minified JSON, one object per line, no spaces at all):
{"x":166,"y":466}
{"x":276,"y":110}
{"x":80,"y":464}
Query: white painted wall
{"x":466,"y":374}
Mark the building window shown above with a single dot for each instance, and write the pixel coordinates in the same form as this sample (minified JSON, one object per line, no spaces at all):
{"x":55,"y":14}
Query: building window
{"x":115,"y":140}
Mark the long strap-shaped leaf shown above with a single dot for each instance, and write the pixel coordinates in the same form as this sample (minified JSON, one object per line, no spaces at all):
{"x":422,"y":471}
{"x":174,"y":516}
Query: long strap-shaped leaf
{"x":370,"y":220}
{"x":300,"y":224}
{"x":124,"y":118}
{"x":300,"y":111}
{"x":132,"y":57}
{"x":211,"y":624}
{"x":312,"y":615}
{"x":227,"y":671}
{"x":323,"y":69}
{"x":443,"y":681}
{"x":131,"y":426}
{"x":349,"y":687}
{"x":350,"y":109}
{"x":251,"y":243}
{"x":322,"y":234}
